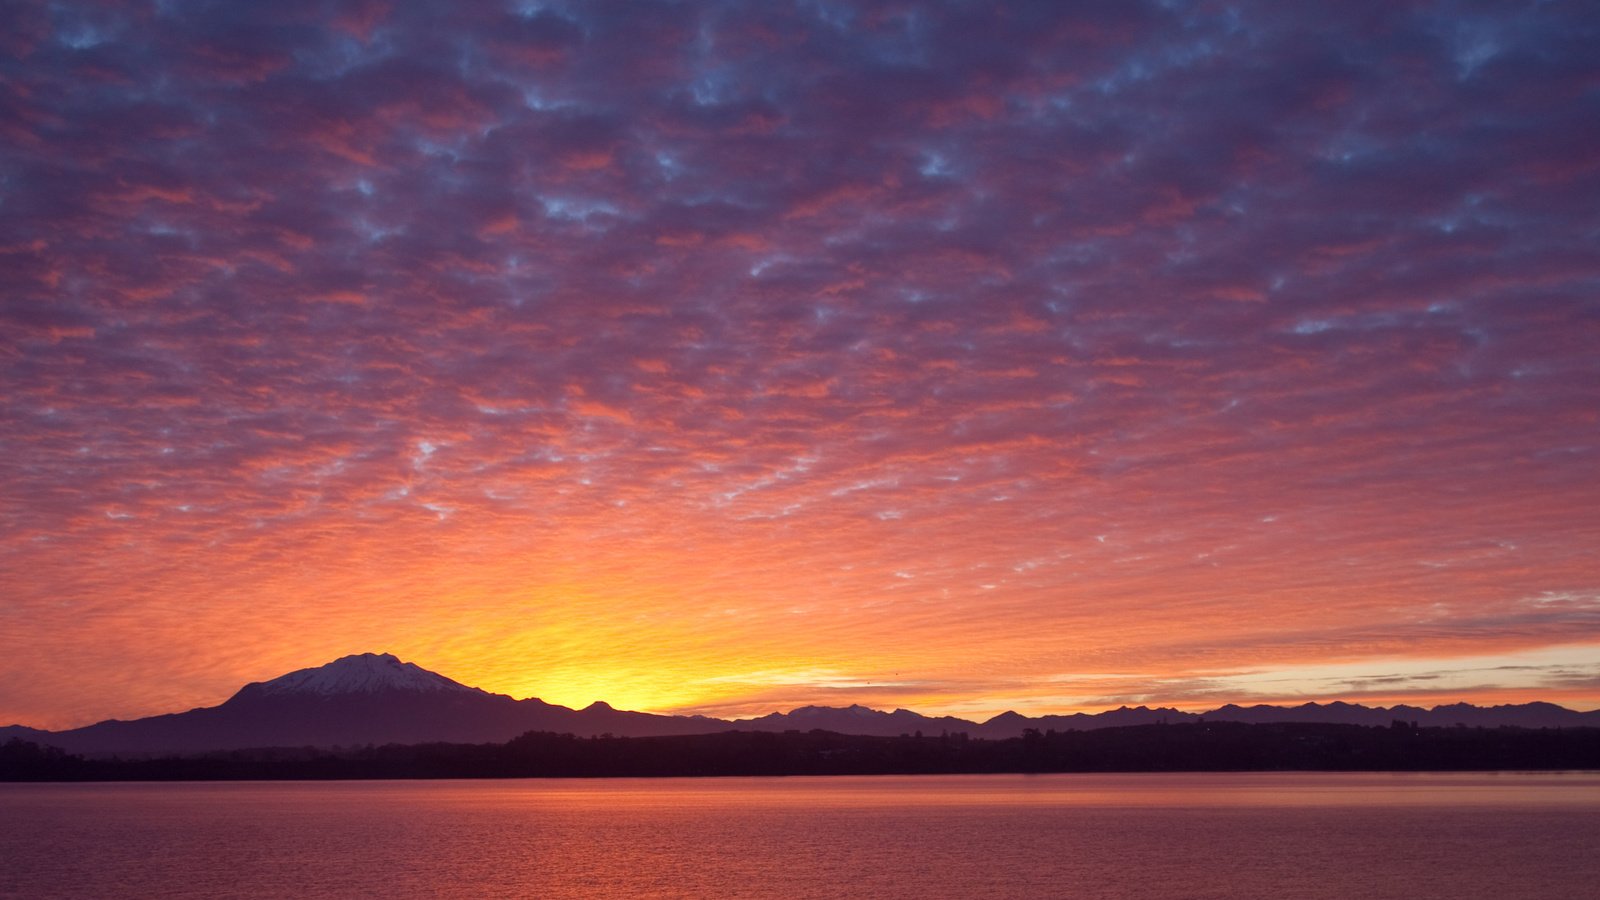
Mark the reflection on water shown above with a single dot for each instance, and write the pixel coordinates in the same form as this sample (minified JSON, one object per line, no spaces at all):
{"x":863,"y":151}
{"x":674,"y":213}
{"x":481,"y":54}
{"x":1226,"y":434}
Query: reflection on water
{"x":1113,"y":836}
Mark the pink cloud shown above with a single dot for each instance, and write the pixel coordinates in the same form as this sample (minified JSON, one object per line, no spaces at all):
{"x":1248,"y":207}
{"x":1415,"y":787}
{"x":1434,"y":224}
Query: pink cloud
{"x":932,"y":342}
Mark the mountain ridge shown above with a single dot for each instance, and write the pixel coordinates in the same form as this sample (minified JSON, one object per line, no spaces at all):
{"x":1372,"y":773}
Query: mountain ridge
{"x":375,"y":698}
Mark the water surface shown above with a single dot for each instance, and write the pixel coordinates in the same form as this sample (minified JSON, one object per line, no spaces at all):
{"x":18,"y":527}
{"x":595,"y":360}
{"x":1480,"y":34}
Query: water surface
{"x":1105,"y":836}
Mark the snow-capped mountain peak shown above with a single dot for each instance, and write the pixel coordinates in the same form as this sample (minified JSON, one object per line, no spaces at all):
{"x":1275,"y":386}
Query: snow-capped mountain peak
{"x":855,"y":710}
{"x":364,"y":673}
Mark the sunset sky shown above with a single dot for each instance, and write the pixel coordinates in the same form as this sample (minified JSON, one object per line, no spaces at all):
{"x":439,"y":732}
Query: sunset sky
{"x":727,"y":357}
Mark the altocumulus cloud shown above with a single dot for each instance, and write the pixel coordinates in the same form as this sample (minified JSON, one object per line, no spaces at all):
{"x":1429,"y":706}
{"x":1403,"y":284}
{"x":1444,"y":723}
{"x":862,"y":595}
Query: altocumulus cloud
{"x":616,"y":349}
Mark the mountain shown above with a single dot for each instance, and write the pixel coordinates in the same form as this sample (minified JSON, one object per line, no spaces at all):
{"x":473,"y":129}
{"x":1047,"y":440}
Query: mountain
{"x":366,"y":673}
{"x":1522,"y":715}
{"x":353,"y":701}
{"x":374,"y":698}
{"x":23,"y":733}
{"x":854,"y":719}
{"x":1010,"y":724}
{"x":865,"y":721}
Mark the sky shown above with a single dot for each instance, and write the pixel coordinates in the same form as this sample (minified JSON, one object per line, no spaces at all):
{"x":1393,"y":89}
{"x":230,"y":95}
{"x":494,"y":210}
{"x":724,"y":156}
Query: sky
{"x":728,"y":357}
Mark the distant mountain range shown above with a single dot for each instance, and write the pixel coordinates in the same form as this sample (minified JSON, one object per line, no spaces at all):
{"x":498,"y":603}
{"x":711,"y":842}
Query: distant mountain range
{"x":377,"y":699}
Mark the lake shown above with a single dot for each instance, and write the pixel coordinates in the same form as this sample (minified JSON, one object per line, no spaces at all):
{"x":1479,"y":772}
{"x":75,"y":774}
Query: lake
{"x":1290,"y":835}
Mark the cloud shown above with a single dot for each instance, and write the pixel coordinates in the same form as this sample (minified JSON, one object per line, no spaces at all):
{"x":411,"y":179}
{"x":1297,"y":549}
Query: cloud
{"x":1138,"y":335}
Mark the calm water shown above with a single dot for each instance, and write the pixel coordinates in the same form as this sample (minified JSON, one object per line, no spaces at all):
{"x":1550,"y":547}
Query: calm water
{"x":1122,"y":836}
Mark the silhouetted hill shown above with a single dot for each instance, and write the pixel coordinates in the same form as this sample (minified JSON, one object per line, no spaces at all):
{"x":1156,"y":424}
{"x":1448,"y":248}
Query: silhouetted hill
{"x":854,"y":719}
{"x":376,"y":699}
{"x":1195,"y":747}
{"x":1011,"y":724}
{"x":23,"y":733}
{"x":1524,"y":715}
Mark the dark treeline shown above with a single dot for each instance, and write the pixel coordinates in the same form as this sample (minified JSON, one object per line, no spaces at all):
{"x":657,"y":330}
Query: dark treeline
{"x":1219,"y":747}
